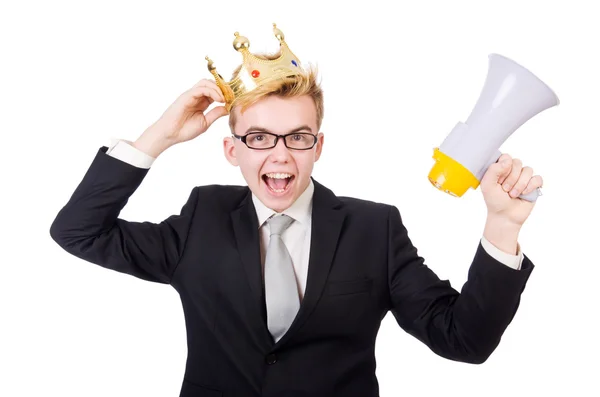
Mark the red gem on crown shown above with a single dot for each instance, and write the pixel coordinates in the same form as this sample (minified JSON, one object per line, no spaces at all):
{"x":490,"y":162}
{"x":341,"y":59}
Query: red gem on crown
{"x":255,"y":73}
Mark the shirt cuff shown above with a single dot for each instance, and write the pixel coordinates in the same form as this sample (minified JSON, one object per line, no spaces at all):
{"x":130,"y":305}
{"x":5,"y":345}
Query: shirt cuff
{"x":513,"y":261}
{"x":124,"y":151}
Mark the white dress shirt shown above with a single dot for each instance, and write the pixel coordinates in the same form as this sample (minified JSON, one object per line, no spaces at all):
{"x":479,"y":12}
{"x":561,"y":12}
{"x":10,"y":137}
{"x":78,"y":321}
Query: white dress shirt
{"x":297,"y":236}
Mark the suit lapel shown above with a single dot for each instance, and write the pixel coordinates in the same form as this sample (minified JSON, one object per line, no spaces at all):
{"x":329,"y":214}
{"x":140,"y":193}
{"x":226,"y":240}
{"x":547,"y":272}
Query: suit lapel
{"x":245,"y":228}
{"x":327,"y":219}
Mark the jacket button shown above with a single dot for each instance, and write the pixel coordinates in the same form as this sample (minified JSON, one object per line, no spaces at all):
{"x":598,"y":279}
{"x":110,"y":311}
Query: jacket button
{"x":271,"y":359}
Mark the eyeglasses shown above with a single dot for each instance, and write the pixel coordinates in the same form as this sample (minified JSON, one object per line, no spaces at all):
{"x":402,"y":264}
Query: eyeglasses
{"x":266,"y":140}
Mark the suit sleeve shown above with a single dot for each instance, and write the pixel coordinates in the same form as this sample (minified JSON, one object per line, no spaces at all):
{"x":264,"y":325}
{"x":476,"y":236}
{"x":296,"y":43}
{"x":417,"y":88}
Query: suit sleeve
{"x":89,"y":227}
{"x":465,"y":326}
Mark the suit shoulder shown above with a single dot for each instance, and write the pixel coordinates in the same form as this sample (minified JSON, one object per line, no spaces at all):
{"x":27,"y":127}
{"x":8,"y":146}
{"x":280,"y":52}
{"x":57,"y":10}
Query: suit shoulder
{"x":226,"y":197}
{"x":369,"y":207}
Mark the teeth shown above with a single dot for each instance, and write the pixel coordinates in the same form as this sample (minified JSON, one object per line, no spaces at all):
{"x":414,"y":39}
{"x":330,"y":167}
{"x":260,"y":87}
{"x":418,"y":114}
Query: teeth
{"x":279,"y":175}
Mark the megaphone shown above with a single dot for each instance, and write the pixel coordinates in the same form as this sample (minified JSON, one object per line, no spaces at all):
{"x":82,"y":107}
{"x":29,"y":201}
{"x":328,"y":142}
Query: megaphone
{"x":511,"y":96}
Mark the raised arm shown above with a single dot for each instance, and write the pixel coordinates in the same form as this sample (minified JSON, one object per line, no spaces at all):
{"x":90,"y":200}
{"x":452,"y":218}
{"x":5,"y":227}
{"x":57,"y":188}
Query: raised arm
{"x":89,"y":227}
{"x":465,"y":326}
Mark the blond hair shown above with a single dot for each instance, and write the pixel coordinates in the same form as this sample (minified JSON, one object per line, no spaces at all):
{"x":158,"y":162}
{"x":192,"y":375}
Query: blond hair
{"x":288,"y":87}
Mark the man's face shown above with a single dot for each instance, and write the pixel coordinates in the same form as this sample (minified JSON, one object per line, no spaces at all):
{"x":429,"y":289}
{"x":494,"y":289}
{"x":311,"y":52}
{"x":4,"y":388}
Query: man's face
{"x":278,"y":116}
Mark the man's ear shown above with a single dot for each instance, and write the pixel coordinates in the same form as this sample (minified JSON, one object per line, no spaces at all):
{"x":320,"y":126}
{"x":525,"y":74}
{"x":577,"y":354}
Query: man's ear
{"x":319,"y":145}
{"x":229,"y":151}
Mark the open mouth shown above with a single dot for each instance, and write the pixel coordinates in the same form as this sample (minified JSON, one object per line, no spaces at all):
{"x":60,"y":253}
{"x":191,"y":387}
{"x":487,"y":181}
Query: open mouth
{"x":278,"y":182}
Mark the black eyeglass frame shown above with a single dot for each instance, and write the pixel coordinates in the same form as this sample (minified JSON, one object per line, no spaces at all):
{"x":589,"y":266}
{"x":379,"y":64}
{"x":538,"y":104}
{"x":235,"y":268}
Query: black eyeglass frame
{"x":277,"y":136}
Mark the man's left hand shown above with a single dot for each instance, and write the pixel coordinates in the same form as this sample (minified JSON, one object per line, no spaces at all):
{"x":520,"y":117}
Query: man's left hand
{"x":502,"y":184}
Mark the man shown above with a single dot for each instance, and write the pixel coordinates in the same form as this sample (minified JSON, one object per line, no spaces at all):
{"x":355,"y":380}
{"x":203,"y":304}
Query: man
{"x":284,"y":284}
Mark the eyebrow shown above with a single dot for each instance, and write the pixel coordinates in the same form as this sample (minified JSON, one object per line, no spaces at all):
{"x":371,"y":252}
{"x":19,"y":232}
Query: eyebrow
{"x":261,"y":129}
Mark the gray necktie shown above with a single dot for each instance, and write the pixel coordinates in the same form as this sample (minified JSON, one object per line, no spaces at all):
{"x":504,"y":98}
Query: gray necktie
{"x":281,"y":291}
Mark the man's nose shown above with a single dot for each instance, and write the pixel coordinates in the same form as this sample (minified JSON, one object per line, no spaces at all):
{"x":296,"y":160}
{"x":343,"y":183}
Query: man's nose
{"x":280,"y":151}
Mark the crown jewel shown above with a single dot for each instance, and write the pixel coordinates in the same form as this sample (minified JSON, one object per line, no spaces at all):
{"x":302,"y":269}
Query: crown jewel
{"x":255,"y":71}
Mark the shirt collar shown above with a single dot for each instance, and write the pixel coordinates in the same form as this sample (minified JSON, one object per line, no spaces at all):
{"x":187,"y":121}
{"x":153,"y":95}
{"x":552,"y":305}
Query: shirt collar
{"x":300,"y":210}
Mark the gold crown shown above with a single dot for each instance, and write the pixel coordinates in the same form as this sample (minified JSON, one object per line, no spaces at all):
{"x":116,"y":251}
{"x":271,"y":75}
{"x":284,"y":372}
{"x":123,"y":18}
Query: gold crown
{"x":255,"y":71}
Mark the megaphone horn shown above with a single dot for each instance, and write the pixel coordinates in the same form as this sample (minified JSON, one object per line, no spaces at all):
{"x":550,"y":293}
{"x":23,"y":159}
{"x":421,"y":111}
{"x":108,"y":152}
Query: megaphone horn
{"x":510,"y":97}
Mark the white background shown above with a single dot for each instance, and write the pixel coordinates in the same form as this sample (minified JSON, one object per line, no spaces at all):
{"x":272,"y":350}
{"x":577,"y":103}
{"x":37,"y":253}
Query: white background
{"x":74,"y":75}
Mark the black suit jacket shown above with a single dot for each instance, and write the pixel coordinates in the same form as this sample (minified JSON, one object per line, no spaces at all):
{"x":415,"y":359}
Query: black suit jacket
{"x":362,"y":265}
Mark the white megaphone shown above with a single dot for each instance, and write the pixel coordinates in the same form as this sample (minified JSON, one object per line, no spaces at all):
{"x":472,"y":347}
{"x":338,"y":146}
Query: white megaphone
{"x":511,"y":96}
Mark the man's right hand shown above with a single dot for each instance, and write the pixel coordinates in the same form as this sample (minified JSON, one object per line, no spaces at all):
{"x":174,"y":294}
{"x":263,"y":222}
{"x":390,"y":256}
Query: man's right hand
{"x":184,"y":120}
